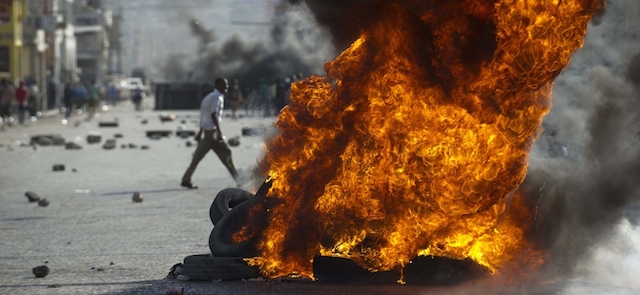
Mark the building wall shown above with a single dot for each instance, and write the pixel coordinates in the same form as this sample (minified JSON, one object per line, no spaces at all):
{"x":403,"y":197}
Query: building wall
{"x":11,"y":45}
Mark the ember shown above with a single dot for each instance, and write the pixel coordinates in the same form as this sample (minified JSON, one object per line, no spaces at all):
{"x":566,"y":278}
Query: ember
{"x":417,"y":141}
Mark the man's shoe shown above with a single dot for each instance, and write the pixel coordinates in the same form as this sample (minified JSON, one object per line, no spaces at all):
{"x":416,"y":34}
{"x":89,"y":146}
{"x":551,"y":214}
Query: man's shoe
{"x":188,"y":185}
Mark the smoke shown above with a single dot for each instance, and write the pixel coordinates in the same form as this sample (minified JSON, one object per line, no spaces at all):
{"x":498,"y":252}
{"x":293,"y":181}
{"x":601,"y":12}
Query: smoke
{"x":294,"y":45}
{"x":584,"y":170}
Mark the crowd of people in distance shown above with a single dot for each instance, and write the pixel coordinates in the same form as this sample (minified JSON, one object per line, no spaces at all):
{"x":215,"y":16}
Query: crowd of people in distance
{"x":267,"y":100}
{"x":20,"y":100}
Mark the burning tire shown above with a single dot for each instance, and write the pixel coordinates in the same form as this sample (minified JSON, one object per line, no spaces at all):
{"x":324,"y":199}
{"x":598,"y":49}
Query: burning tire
{"x":208,"y":268}
{"x":238,"y":221}
{"x":225,"y":201}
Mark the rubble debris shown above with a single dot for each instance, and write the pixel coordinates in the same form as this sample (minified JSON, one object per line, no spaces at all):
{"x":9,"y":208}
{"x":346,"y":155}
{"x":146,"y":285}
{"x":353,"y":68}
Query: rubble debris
{"x":144,"y":122}
{"x":118,"y":135}
{"x":234,"y":141}
{"x":43,"y":203}
{"x":74,"y":170}
{"x":54,"y":286}
{"x":94,"y":137}
{"x":161,"y":133}
{"x":109,"y":144}
{"x":112,"y":263}
{"x":47,"y":140}
{"x":58,"y":167}
{"x":185,"y":133}
{"x":108,"y":124}
{"x":40,"y":271}
{"x":183,"y":121}
{"x":123,"y":146}
{"x":189,"y":144}
{"x":133,"y":146}
{"x":167,"y":118}
{"x":33,"y":197}
{"x":72,"y":146}
{"x":254,"y":131}
{"x":137,"y":198}
{"x":144,"y":147}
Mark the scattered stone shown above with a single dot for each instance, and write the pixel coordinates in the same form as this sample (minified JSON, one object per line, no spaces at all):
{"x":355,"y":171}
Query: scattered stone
{"x":183,"y":121}
{"x":112,"y":263}
{"x":167,"y":118}
{"x":47,"y":140}
{"x":118,"y":135}
{"x":185,"y":133}
{"x":144,"y":147}
{"x":108,"y":124}
{"x":109,"y":144}
{"x":40,"y":271}
{"x":144,"y":122}
{"x":33,"y":197}
{"x":58,"y":167}
{"x":43,"y":203}
{"x":234,"y":141}
{"x":72,"y":146}
{"x":137,"y":198}
{"x":54,"y":286}
{"x":189,"y":144}
{"x":160,"y":133}
{"x":123,"y":146}
{"x":100,"y":269}
{"x":133,"y":146}
{"x":74,"y":170}
{"x":94,"y":137}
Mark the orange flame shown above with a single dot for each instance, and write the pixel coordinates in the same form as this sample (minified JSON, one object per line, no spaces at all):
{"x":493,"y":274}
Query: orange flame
{"x":416,"y":142}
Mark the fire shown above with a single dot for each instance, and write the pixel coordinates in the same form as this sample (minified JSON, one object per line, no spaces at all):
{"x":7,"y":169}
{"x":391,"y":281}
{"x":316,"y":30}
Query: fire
{"x":417,"y":141}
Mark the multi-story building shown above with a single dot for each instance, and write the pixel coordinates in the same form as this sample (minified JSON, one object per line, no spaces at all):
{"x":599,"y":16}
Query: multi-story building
{"x":11,"y":48}
{"x":93,"y":21}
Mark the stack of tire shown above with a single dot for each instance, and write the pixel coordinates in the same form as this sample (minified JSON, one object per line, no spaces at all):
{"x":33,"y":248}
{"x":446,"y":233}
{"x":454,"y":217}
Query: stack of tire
{"x":229,"y":213}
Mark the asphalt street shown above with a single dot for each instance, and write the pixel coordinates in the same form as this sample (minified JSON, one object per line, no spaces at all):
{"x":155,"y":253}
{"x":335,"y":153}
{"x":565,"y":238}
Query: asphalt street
{"x":96,"y":240}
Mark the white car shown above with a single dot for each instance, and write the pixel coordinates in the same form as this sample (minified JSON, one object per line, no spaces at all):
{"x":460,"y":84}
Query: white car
{"x":134,"y":84}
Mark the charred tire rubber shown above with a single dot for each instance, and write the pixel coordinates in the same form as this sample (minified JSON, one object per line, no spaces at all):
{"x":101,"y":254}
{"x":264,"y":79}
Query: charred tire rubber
{"x":221,"y":238}
{"x":208,"y":268}
{"x":225,"y":201}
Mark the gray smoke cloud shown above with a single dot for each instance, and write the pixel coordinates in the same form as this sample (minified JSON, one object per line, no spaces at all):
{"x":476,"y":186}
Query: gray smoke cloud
{"x":584,"y":169}
{"x":294,"y":45}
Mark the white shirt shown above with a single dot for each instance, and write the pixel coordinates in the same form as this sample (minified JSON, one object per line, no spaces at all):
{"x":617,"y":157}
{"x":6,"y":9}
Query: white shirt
{"x":212,"y":103}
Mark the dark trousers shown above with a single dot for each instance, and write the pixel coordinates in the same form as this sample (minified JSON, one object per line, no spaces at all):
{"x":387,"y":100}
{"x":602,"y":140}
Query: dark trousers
{"x":221,"y":149}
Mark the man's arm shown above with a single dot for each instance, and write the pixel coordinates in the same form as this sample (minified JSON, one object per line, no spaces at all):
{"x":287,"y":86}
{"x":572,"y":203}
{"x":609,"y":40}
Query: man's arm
{"x":214,"y":118}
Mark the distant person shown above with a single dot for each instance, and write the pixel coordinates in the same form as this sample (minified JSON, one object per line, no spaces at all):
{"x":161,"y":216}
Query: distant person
{"x":67,"y":98}
{"x":281,"y":90}
{"x":264,"y":97}
{"x":210,"y":116}
{"x":80,"y":95}
{"x":235,"y":98}
{"x":137,"y":97}
{"x":52,"y":89}
{"x":34,"y":96}
{"x":112,"y":94}
{"x":6,"y":99}
{"x":22,"y":99}
{"x":93,"y":96}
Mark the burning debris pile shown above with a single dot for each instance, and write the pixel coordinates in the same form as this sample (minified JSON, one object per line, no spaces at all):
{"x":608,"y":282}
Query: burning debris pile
{"x":417,"y":141}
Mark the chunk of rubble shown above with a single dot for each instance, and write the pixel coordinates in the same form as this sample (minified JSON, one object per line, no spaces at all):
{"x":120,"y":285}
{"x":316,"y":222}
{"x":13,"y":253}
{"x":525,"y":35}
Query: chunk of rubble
{"x":47,"y":140}
{"x":137,"y":198}
{"x":43,"y":203}
{"x":234,"y":141}
{"x":40,"y":271}
{"x":94,"y":137}
{"x":58,"y":167}
{"x":109,"y":144}
{"x":33,"y":197}
{"x":72,"y":146}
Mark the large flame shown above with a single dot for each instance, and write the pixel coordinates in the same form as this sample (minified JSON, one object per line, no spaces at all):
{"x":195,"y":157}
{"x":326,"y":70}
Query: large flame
{"x":417,"y":141}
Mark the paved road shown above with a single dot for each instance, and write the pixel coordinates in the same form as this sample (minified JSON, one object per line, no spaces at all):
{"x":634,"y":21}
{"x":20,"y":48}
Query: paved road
{"x":97,"y":241}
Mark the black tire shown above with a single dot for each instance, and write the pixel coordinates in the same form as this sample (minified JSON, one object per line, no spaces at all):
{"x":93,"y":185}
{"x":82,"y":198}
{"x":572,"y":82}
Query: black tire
{"x":225,"y":201}
{"x":220,"y":240}
{"x":159,"y":133}
{"x":208,"y":268}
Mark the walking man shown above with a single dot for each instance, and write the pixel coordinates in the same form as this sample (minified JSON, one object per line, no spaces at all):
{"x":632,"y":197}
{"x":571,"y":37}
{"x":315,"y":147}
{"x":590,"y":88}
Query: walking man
{"x":210,"y":135}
